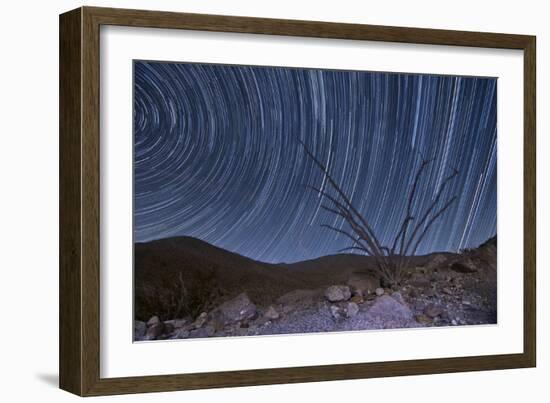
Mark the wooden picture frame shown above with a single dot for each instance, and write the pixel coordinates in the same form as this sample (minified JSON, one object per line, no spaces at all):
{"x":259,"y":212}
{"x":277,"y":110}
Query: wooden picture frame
{"x":79,"y":346}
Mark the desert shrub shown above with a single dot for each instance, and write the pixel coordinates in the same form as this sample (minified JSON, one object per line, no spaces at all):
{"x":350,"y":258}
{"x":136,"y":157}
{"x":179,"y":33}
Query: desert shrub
{"x":174,"y":297}
{"x":391,"y":259}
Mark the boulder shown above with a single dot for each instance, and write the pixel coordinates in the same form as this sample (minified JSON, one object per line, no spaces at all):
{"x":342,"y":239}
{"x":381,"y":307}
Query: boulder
{"x":153,"y":321}
{"x":201,"y":320}
{"x":237,"y":309}
{"x":387,"y":308}
{"x":336,"y":293}
{"x":271,"y":313}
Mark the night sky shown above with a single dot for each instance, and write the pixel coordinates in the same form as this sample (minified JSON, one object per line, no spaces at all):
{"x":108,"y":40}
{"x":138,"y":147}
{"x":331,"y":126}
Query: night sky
{"x":217,"y":155}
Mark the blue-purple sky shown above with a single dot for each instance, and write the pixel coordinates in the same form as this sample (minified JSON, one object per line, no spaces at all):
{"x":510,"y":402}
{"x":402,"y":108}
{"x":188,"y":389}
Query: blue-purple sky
{"x":217,"y":156}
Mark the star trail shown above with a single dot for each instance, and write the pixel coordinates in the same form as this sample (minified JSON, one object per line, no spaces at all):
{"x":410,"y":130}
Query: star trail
{"x":217,"y":155}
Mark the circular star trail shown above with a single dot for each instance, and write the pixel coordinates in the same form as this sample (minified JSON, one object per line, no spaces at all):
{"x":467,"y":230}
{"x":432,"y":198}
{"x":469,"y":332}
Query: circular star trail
{"x":217,"y":155}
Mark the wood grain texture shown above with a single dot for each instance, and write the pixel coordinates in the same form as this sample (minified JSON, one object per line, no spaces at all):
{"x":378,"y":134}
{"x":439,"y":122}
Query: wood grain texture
{"x":79,"y":200}
{"x":316,"y":29}
{"x":90,"y":202}
{"x":70,"y":314}
{"x":530,"y":202}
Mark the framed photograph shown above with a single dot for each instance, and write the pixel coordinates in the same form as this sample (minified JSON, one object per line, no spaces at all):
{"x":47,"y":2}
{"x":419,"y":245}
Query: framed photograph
{"x":249,"y":201}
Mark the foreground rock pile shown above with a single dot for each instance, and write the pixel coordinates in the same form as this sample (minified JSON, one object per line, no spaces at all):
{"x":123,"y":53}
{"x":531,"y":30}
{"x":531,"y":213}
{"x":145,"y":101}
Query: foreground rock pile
{"x":442,"y":292}
{"x":236,"y":317}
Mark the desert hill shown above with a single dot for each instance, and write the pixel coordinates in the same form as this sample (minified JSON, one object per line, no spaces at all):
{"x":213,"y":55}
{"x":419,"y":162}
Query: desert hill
{"x":176,"y":266}
{"x":184,"y":276}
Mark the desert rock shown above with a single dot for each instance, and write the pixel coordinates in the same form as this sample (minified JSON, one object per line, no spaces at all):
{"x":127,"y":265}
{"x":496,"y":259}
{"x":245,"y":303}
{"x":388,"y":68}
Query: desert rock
{"x":237,"y":309}
{"x":337,"y":293}
{"x":153,"y":321}
{"x":271,"y":313}
{"x":386,"y":307}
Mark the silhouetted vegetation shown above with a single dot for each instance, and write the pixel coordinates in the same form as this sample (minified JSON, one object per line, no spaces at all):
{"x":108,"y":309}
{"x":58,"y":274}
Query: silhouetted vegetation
{"x":391,"y":259}
{"x":175,"y":298}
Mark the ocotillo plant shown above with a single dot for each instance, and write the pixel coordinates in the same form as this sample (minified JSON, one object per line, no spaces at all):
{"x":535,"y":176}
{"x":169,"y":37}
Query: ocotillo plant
{"x":391,"y":260}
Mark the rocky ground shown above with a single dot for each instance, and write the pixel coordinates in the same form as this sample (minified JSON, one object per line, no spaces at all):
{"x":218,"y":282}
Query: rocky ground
{"x":445,"y":290}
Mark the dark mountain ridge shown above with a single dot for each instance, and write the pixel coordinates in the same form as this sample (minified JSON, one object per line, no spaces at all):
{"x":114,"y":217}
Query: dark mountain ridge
{"x":182,"y":276}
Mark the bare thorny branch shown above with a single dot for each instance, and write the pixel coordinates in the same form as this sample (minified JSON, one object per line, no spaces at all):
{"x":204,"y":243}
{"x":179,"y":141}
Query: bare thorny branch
{"x":390,"y":265}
